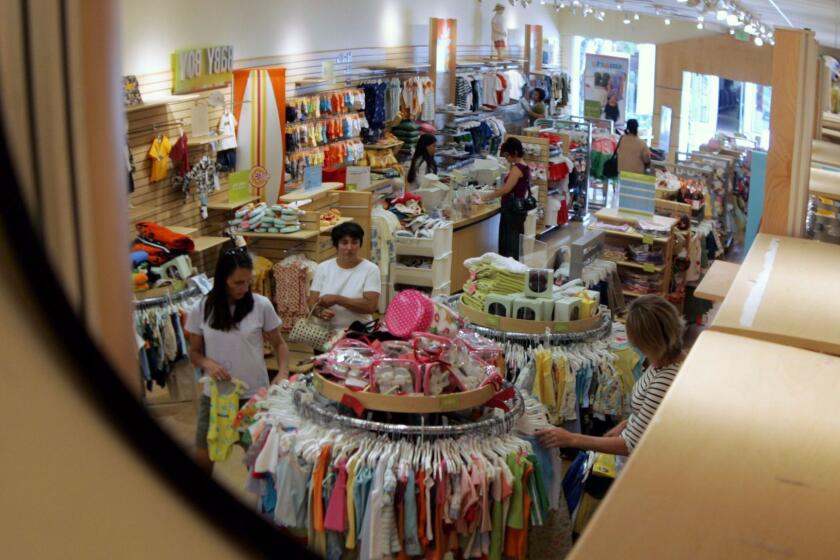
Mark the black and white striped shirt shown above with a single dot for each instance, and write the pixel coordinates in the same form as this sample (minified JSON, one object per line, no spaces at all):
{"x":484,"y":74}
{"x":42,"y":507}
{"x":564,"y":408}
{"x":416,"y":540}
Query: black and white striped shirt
{"x":648,"y":392}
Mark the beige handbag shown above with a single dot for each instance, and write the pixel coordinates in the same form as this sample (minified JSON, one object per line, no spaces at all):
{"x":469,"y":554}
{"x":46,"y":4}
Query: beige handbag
{"x":310,"y":332}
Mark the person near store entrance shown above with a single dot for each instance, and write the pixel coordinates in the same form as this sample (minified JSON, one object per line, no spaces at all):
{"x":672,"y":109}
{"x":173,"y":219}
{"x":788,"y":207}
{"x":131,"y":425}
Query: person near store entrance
{"x":611,"y":110}
{"x":517,"y":184}
{"x":655,"y":328}
{"x":346,"y":289}
{"x":422,"y":162}
{"x":633,"y":153}
{"x":536,"y":110}
{"x":227,"y":331}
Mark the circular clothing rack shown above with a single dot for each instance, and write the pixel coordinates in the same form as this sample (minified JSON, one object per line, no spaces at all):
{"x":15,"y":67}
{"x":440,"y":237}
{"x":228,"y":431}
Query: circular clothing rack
{"x":602,"y":331}
{"x":309,"y":407}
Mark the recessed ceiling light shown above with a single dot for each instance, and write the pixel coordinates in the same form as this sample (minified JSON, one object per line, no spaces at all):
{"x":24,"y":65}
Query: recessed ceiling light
{"x":722,"y":14}
{"x":626,"y":20}
{"x":700,"y":25}
{"x":759,"y":41}
{"x":667,"y":21}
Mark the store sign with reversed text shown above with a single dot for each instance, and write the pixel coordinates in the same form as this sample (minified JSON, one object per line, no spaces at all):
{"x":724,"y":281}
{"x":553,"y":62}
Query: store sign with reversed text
{"x":201,"y":69}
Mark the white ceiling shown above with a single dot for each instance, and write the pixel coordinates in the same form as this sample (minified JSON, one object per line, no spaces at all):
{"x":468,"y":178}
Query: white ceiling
{"x":822,"y":16}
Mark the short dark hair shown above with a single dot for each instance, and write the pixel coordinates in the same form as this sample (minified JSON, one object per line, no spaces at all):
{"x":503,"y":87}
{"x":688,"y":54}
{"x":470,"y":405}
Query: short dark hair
{"x":633,"y":126}
{"x":512,"y":147}
{"x":541,"y":91}
{"x":349,"y":229}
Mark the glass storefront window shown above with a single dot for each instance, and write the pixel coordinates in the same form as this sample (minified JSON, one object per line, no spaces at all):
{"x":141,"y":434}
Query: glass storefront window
{"x":640,"y":81}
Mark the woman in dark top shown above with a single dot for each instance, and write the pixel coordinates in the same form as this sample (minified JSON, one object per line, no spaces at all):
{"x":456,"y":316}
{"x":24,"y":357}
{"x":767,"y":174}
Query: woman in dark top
{"x":611,"y":110}
{"x":516,"y":185}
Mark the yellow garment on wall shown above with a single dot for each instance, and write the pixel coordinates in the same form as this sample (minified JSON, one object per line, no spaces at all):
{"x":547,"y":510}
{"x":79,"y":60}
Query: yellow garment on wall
{"x":159,"y":154}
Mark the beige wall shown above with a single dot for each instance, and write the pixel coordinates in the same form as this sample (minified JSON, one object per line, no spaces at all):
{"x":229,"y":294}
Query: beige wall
{"x":260,"y":28}
{"x":717,"y":55}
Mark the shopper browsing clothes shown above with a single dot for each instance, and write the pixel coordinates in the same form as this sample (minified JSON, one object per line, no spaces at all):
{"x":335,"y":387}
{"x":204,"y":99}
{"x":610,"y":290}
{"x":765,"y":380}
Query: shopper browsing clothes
{"x":517,"y":185}
{"x":227,"y":331}
{"x":346,"y":289}
{"x":422,"y":162}
{"x":655,"y":328}
{"x":633,"y":153}
{"x":536,"y":110}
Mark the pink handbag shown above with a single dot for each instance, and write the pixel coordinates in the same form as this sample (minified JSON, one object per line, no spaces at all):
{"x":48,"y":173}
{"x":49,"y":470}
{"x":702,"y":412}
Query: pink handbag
{"x":410,"y":311}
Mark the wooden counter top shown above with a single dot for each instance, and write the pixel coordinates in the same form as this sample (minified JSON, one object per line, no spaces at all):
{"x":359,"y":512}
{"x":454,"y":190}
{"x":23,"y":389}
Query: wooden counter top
{"x":300,"y":194}
{"x":616,"y":216}
{"x":735,"y":464}
{"x":825,"y":183}
{"x":717,"y":281}
{"x":827,"y":153}
{"x":792,"y":301}
{"x":479,"y":213}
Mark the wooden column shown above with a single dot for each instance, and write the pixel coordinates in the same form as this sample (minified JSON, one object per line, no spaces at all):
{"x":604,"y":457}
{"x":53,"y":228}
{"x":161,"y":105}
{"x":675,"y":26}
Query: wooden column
{"x":442,"y":63}
{"x":533,"y":48}
{"x":791,"y":131}
{"x":529,"y":34}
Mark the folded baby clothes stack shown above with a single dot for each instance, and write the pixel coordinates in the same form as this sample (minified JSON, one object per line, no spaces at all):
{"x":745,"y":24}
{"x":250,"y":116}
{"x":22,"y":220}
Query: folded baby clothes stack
{"x":487,"y":278}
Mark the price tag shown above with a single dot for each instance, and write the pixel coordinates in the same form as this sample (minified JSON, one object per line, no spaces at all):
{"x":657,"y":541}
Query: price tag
{"x":450,"y":402}
{"x":649,"y":267}
{"x":560,"y":327}
{"x":647,"y":239}
{"x":493,"y":321}
{"x":202,"y":283}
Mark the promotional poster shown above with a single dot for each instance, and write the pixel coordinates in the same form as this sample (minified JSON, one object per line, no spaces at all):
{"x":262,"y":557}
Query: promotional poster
{"x":604,"y":88}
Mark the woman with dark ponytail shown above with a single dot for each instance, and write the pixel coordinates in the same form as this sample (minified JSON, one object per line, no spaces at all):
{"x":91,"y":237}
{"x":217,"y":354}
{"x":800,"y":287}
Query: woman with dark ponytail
{"x":226,"y":333}
{"x":422,"y":162}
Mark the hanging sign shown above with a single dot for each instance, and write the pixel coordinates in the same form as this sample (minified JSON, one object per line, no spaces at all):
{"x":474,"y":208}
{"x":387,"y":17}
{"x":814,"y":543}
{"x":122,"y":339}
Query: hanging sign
{"x":200,"y":69}
{"x":312,"y":177}
{"x":239,"y":187}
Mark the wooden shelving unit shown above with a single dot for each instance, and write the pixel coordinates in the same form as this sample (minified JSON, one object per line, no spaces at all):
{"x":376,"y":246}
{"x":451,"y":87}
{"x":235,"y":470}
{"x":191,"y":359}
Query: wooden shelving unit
{"x":314,"y":240}
{"x":188,"y":231}
{"x":208,"y":242}
{"x":665,"y":270}
{"x":161,"y":101}
{"x":196,"y":141}
{"x":228,"y":206}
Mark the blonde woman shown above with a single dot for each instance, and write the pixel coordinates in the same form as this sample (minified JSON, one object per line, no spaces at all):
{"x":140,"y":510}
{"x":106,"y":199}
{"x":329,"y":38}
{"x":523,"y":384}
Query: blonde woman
{"x":654,"y":327}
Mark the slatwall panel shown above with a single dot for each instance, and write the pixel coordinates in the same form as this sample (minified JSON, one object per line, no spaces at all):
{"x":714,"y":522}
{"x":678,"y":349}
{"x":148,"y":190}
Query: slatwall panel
{"x":170,"y":206}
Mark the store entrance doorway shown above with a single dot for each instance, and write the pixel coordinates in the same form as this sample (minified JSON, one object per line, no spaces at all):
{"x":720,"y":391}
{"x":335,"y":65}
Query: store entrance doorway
{"x":713,"y":106}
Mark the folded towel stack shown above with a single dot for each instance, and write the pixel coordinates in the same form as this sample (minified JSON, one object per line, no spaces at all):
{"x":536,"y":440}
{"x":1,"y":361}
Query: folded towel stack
{"x":261,"y":218}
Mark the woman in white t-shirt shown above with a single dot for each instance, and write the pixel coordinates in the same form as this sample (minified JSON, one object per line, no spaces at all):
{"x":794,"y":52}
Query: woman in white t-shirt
{"x":226,"y":333}
{"x":346,"y":289}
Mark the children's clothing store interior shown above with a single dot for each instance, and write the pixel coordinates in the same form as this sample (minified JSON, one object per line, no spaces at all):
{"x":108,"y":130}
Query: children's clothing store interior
{"x":377,"y":281}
